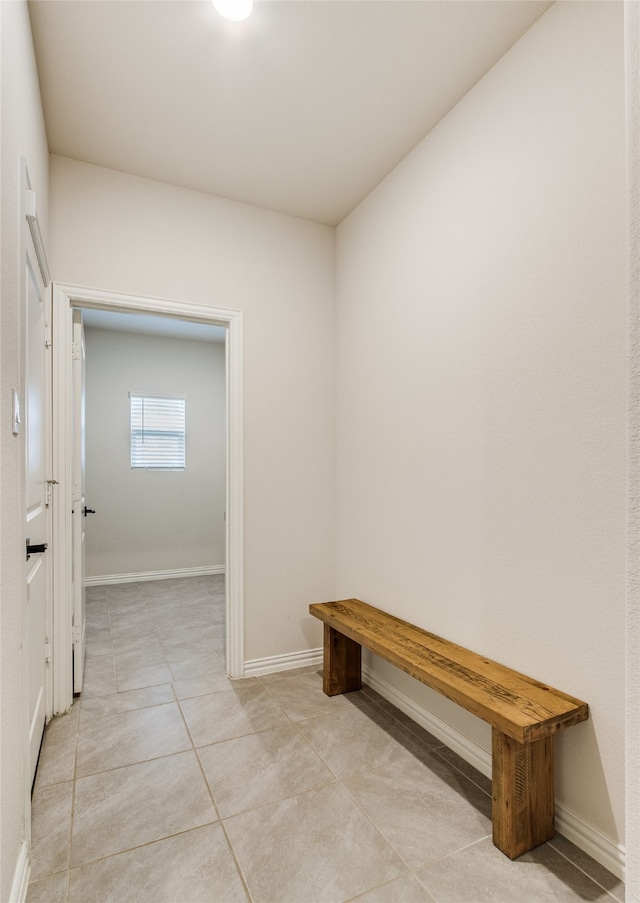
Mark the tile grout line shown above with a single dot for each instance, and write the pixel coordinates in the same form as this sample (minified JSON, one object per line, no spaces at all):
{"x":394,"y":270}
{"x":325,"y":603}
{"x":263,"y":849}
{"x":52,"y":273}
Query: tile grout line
{"x":216,"y":809}
{"x":73,"y":803}
{"x":340,"y":783}
{"x":436,"y":752}
{"x":243,"y":878}
{"x":139,"y":846}
{"x":384,"y":884}
{"x":315,"y":751}
{"x":377,"y":829}
{"x":590,"y":877}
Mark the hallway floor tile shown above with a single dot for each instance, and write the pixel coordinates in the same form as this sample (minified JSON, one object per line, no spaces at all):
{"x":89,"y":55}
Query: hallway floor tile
{"x":169,"y":783}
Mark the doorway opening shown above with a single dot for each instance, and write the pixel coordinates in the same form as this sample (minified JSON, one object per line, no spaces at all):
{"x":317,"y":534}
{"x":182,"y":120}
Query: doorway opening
{"x":142,"y":314}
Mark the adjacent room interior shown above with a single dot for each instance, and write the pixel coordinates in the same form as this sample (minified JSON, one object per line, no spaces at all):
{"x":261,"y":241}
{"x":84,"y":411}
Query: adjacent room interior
{"x":161,"y":517}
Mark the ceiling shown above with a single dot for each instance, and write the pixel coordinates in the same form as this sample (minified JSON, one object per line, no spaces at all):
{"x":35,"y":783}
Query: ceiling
{"x":301,"y":109}
{"x":148,"y":324}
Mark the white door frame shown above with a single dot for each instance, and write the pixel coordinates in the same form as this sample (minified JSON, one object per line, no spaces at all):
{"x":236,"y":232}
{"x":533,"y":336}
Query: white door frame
{"x":65,"y":298}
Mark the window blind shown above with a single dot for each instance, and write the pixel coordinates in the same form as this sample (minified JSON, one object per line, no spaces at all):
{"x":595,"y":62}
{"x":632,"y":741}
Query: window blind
{"x":157,"y":432}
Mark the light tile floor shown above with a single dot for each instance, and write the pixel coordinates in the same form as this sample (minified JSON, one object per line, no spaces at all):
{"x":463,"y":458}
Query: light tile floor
{"x":169,"y":783}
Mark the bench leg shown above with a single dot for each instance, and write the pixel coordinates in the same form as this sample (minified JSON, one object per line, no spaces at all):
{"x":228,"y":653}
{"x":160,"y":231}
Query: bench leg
{"x":342,"y":670}
{"x":523,"y":793}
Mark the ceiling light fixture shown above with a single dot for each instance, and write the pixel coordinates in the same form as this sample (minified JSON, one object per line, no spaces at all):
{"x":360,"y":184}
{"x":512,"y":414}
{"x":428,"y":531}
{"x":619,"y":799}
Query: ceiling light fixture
{"x":234,"y":10}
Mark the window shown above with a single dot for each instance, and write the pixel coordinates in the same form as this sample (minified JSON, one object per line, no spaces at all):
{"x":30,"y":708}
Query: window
{"x":157,"y":432}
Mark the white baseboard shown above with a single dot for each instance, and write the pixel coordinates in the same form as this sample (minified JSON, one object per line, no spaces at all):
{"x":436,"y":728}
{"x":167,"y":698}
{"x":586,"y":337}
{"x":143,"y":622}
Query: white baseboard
{"x":609,"y":854}
{"x":154,"y":575}
{"x":605,"y":851}
{"x":21,"y":876}
{"x":286,"y":662}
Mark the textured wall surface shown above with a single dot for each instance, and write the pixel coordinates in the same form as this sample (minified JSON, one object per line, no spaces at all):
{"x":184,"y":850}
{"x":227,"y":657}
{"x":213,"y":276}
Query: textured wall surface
{"x":632,"y":43}
{"x":153,"y":520}
{"x":482,"y":332}
{"x":122,"y":233}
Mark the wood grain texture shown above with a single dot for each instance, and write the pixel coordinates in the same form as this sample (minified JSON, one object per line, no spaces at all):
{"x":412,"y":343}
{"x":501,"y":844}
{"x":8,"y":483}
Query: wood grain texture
{"x":517,"y":705}
{"x":342,"y":664}
{"x":523,"y":810}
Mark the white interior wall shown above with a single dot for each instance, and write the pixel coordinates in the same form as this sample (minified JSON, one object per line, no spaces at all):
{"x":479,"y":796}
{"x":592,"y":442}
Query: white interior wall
{"x":149,"y":521}
{"x":482,"y":396}
{"x":632,"y":67}
{"x":123,"y":233}
{"x":22,"y":135}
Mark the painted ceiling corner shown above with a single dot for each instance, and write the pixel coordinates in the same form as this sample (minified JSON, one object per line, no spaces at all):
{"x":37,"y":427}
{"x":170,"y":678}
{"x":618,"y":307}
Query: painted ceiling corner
{"x":301,"y":109}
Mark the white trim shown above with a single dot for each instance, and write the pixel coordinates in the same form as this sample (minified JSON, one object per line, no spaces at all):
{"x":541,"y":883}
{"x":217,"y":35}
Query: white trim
{"x":66,"y":298}
{"x":158,"y":395}
{"x":258,"y":666}
{"x":234,"y":521}
{"x":18,"y":893}
{"x":608,"y":853}
{"x":605,"y":851}
{"x":174,"y":574}
{"x":62,"y":550}
{"x":31,"y":214}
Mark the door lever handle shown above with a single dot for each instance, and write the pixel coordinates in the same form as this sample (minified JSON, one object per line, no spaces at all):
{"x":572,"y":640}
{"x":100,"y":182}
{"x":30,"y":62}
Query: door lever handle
{"x":33,"y":550}
{"x":88,"y":511}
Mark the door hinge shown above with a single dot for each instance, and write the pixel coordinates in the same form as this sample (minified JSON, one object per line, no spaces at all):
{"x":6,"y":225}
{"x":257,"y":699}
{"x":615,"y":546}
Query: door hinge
{"x":76,"y":351}
{"x":47,"y":335}
{"x":75,"y":635}
{"x":47,"y":650}
{"x":50,"y":485}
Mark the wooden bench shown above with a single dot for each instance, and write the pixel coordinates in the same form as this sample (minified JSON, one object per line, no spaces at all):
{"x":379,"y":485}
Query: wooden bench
{"x":524,"y":714}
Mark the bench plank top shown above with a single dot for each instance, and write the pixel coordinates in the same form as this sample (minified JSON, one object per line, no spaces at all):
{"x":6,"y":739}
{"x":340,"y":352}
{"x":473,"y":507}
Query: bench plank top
{"x":515,"y":704}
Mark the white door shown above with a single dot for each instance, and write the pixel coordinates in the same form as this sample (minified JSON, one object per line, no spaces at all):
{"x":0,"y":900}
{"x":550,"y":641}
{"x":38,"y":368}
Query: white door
{"x":35,"y":418}
{"x":79,"y":501}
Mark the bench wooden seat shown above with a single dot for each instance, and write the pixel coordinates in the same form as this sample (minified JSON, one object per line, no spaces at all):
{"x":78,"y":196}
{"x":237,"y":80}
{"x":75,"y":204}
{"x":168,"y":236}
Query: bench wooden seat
{"x":524,"y":714}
